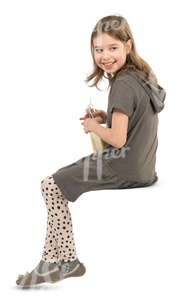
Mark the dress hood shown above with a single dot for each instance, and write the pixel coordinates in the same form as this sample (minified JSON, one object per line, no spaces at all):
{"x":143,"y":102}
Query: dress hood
{"x":157,"y":94}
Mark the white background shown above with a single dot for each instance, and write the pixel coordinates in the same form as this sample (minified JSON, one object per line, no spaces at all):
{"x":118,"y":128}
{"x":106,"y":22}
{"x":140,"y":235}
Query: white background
{"x":134,"y":243}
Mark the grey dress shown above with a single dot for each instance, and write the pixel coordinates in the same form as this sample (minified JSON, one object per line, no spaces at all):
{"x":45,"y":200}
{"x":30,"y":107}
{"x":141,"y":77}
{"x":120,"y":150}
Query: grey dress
{"x":132,"y":165}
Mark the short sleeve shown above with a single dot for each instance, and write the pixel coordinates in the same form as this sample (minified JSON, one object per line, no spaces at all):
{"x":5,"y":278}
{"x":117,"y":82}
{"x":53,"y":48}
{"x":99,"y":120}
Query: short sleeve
{"x":122,"y":96}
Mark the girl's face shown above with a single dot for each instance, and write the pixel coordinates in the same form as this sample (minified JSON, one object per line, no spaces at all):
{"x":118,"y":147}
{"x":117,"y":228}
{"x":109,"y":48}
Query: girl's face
{"x":109,"y":53}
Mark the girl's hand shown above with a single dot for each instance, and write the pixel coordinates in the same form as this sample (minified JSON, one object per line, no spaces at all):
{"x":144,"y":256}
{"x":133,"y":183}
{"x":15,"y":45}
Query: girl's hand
{"x":99,"y":115}
{"x":89,"y":124}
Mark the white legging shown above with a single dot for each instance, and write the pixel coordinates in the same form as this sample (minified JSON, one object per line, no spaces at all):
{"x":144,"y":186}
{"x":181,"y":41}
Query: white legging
{"x":59,"y":242}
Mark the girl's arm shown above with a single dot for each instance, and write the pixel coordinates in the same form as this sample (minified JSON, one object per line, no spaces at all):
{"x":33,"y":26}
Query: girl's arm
{"x":117,"y":134}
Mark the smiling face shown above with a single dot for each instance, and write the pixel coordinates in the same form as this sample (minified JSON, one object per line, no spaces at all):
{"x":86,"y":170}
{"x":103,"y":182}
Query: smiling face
{"x":109,"y":53}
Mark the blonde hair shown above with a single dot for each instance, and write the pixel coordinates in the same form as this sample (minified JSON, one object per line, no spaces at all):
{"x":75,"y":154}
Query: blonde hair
{"x":117,"y":27}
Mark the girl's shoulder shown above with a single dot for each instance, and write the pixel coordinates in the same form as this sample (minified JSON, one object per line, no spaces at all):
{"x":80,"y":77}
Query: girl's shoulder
{"x":130,"y":83}
{"x":128,"y":79}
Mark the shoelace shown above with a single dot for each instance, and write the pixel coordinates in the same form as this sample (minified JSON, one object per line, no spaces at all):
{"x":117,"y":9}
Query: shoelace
{"x":64,"y":267}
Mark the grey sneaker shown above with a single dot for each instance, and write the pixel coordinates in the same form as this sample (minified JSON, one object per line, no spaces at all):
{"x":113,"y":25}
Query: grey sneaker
{"x":51,"y":273}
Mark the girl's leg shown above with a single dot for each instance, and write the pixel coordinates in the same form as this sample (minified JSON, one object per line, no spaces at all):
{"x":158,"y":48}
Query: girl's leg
{"x":59,"y":241}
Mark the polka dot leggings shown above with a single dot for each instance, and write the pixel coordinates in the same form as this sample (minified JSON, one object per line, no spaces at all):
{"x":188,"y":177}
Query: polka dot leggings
{"x":59,"y":241}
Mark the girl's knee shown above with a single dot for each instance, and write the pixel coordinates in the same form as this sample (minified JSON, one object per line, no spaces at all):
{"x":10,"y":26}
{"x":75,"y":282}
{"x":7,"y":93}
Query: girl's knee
{"x":46,"y":182}
{"x":49,"y":187}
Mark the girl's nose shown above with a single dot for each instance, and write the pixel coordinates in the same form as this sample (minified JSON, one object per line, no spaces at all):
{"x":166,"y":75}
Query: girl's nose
{"x":105,"y":56}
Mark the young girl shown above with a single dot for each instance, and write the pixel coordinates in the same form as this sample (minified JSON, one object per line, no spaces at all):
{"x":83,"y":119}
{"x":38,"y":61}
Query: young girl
{"x":130,"y":139}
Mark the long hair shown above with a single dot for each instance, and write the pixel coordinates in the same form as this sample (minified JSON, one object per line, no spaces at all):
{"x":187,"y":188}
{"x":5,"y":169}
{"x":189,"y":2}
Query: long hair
{"x":117,"y":27}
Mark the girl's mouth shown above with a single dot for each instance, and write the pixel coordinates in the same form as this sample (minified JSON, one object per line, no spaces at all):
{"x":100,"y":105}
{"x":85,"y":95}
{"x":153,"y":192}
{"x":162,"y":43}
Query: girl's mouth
{"x":109,"y":65}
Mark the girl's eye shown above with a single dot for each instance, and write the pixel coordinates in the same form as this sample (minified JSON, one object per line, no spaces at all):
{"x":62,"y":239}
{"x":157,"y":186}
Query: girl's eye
{"x":97,"y":50}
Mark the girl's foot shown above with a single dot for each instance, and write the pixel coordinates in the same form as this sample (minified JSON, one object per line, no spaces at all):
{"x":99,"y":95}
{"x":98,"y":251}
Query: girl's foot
{"x":51,"y":273}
